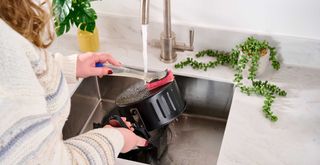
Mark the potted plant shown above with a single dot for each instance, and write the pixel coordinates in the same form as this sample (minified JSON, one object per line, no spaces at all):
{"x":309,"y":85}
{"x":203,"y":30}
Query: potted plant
{"x":259,"y":55}
{"x":80,"y":13}
{"x":246,"y":58}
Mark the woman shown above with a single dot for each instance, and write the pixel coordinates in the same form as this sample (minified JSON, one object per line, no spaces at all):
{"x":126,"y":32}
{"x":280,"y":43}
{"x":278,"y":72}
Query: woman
{"x":34,"y":99}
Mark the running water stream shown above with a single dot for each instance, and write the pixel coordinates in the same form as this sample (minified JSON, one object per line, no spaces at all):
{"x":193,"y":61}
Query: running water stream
{"x":144,"y":29}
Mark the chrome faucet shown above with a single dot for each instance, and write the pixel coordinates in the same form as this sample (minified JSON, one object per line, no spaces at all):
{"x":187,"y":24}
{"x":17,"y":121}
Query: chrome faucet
{"x":167,"y":42}
{"x":144,"y":12}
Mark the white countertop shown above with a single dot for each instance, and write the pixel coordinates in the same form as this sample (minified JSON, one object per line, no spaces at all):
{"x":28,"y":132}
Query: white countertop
{"x":249,"y":137}
{"x":294,"y":139}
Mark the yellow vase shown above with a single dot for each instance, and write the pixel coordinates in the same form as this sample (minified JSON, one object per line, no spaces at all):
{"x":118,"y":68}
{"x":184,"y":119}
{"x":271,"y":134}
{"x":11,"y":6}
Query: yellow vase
{"x":88,"y":42}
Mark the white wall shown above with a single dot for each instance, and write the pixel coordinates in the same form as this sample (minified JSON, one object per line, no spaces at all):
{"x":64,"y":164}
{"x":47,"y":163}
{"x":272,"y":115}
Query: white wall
{"x":299,"y":18}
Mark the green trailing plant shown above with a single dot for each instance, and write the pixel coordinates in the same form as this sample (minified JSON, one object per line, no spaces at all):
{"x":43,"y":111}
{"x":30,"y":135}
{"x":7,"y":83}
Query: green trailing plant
{"x":73,"y":12}
{"x":222,"y":59}
{"x":252,"y":49}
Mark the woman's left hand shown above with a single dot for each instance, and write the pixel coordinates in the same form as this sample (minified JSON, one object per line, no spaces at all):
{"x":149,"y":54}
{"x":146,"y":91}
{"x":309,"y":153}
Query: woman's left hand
{"x":131,"y":140}
{"x":86,"y":64}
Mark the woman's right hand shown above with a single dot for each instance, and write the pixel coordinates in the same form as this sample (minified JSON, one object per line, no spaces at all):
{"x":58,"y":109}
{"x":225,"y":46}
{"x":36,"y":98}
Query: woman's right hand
{"x":86,"y":64}
{"x":131,"y":140}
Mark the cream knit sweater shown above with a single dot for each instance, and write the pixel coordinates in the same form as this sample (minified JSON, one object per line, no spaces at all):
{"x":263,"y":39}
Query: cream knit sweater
{"x":34,"y":105}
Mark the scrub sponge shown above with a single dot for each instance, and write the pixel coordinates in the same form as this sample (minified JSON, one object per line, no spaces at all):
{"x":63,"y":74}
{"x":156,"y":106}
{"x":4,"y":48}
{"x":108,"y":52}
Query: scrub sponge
{"x":160,"y":82}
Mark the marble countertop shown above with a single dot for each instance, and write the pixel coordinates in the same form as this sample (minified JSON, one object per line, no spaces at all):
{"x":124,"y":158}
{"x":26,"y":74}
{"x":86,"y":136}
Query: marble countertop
{"x":294,"y":139}
{"x":249,"y":137}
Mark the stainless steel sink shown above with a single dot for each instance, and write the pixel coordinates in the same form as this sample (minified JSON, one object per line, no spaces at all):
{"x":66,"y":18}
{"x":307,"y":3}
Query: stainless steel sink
{"x":193,"y":138}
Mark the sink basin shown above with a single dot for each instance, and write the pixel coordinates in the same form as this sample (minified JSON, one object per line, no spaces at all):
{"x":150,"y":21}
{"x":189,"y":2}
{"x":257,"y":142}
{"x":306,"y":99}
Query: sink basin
{"x":194,"y":137}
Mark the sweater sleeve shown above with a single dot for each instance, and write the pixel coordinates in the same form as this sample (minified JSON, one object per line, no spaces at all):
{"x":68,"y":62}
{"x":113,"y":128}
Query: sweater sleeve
{"x":30,"y":134}
{"x":32,"y":115}
{"x":68,"y":65}
{"x":101,"y":142}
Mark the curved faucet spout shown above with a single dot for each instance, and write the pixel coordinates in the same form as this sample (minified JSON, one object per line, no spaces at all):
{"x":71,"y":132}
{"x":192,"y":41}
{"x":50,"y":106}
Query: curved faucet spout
{"x":144,"y":12}
{"x":168,"y":44}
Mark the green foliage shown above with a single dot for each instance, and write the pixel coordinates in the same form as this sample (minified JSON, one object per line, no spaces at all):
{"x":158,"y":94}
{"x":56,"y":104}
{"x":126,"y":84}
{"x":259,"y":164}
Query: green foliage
{"x":273,"y":53}
{"x":222,"y":58}
{"x":251,"y":52}
{"x":73,"y":12}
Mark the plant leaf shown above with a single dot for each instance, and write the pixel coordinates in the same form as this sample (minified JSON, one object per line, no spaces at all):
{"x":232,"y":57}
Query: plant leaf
{"x":69,"y":12}
{"x":61,"y":8}
{"x":90,"y":27}
{"x":59,"y":29}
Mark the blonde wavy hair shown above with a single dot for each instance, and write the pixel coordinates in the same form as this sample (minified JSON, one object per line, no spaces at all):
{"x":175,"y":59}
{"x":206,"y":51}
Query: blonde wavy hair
{"x":29,"y":19}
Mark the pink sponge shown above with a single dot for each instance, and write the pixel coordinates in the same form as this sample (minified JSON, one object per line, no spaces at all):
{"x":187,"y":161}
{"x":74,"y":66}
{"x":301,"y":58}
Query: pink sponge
{"x":165,"y":80}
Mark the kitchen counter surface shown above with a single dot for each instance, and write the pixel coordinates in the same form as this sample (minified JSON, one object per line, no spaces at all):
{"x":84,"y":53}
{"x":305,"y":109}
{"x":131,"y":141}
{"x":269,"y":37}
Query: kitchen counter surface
{"x":294,"y":139}
{"x":249,"y":137}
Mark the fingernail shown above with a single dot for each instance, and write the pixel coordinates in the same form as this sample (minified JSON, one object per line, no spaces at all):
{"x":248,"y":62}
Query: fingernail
{"x":110,"y":72}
